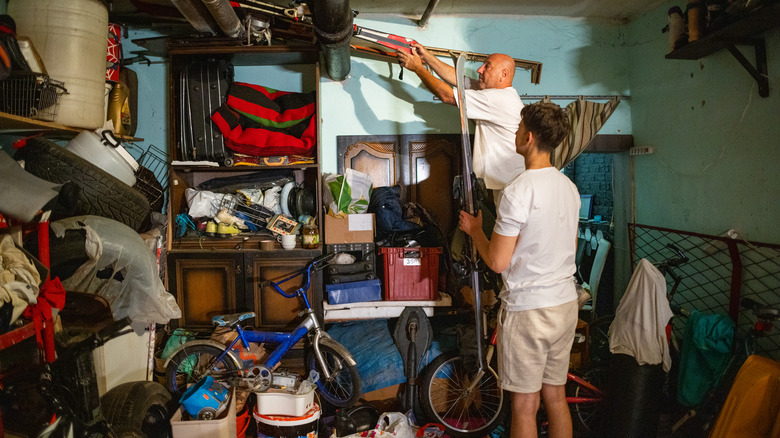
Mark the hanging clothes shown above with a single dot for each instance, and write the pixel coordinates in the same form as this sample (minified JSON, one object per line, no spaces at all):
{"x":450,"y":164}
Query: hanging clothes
{"x":585,"y":120}
{"x":639,"y":327}
{"x":705,"y":355}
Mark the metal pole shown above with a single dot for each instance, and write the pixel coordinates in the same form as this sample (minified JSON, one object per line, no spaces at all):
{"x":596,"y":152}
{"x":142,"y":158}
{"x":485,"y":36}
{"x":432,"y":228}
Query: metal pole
{"x":427,"y":14}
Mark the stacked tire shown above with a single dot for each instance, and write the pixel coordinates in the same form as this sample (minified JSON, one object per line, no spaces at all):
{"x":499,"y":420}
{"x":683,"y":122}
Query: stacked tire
{"x":100,"y":194}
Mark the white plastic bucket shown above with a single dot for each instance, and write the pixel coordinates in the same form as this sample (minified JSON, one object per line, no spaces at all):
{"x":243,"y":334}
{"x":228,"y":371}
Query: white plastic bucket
{"x":114,"y":160}
{"x":70,"y":37}
{"x":280,"y":426}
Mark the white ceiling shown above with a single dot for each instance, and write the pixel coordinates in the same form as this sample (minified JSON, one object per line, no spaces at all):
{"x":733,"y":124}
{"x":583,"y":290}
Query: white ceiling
{"x":624,"y":10}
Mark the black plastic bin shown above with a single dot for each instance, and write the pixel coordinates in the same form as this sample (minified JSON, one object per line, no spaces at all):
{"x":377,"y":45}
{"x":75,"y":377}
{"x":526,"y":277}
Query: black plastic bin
{"x":634,"y":399}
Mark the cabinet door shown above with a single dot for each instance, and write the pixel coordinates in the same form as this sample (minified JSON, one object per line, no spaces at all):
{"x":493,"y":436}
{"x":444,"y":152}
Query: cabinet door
{"x":424,"y":165}
{"x":377,"y":158}
{"x":206,"y":285}
{"x":273,"y":310}
{"x":433,"y":165}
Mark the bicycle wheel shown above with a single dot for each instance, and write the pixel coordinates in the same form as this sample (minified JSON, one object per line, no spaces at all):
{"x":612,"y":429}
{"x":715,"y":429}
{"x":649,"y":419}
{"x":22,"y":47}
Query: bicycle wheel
{"x":448,"y":399}
{"x":343,"y":388}
{"x":598,"y":332}
{"x":589,"y":414}
{"x":193,"y":363}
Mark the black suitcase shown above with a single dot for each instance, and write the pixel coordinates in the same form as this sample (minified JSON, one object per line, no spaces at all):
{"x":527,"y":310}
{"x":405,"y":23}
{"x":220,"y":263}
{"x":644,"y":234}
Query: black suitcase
{"x":203,"y":89}
{"x":348,"y":278}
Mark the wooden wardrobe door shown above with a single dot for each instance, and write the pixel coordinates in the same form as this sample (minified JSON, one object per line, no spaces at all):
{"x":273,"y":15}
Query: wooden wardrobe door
{"x":378,"y":159}
{"x":433,"y":166}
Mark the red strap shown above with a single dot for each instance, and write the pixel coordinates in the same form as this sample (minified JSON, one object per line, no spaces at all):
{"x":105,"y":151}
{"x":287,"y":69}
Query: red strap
{"x":51,"y":295}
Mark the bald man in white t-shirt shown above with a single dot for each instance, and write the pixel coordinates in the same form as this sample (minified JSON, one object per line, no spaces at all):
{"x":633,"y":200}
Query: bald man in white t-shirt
{"x":490,"y":101}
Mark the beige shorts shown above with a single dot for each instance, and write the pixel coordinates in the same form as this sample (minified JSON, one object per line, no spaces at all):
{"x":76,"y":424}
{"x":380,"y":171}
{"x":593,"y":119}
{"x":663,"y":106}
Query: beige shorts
{"x":534,"y":347}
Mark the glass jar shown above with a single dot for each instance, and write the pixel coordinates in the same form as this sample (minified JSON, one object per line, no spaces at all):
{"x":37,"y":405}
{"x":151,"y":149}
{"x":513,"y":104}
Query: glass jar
{"x":311,"y":237}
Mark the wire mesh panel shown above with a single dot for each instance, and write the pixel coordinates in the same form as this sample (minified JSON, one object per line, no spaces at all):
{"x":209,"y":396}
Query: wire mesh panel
{"x":31,"y":95}
{"x":720,"y":272}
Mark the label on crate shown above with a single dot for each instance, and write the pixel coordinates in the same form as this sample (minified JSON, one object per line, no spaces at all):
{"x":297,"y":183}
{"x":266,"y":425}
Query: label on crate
{"x":411,"y":261}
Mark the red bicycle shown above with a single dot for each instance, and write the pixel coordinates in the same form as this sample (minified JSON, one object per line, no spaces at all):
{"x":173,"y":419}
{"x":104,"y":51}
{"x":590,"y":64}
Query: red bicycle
{"x":467,"y":400}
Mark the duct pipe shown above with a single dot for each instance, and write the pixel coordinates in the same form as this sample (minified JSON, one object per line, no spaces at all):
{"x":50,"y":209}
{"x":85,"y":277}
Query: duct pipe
{"x":332,"y":21}
{"x":198,"y":16}
{"x":226,"y":17}
{"x":427,"y":14}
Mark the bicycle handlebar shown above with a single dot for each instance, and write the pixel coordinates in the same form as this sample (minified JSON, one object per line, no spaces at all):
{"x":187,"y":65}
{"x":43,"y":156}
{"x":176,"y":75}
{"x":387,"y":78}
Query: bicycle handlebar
{"x":316,"y":264}
{"x":761,"y":311}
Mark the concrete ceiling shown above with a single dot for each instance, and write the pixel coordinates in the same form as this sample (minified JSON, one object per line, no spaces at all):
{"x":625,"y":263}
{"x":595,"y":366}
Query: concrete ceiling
{"x":622,"y":10}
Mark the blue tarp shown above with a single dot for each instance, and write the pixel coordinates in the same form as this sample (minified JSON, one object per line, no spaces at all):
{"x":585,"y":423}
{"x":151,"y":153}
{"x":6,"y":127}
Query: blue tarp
{"x":378,"y":360}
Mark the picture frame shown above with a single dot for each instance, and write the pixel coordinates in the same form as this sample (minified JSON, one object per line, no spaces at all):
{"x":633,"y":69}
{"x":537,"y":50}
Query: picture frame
{"x":281,"y":224}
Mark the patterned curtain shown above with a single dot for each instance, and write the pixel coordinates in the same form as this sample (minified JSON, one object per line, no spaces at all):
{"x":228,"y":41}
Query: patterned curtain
{"x":585,"y":118}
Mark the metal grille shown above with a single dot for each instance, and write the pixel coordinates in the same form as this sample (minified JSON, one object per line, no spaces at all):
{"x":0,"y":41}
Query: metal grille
{"x":31,"y":95}
{"x":720,"y":271}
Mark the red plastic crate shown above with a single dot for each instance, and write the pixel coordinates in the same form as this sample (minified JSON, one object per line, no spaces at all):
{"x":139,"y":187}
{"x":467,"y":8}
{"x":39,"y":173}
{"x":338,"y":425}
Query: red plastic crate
{"x":410,"y":273}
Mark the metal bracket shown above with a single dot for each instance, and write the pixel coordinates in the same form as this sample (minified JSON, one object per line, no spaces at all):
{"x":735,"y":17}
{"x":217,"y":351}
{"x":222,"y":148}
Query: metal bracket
{"x":759,"y":72}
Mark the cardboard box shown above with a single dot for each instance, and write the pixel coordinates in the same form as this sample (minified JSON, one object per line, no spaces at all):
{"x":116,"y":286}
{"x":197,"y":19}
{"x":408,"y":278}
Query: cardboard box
{"x":223,"y":427}
{"x":580,"y":351}
{"x":355,"y":228}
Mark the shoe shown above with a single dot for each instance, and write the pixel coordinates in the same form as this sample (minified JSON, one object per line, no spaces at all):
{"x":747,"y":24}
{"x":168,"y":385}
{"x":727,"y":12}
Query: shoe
{"x":225,"y":230}
{"x":211,"y":229}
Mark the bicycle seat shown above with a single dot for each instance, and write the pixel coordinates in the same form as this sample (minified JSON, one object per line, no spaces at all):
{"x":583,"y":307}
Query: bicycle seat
{"x":232,"y":319}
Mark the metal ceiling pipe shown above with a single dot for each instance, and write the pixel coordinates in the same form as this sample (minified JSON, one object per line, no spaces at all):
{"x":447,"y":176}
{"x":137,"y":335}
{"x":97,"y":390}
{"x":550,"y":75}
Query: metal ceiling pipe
{"x":427,"y":14}
{"x":226,"y":17}
{"x":332,"y":20}
{"x":198,"y":16}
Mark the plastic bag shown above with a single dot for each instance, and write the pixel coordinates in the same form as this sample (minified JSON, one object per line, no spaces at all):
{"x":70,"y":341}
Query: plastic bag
{"x":121,"y":269}
{"x":390,"y":425}
{"x":348,"y":193}
{"x":203,"y":203}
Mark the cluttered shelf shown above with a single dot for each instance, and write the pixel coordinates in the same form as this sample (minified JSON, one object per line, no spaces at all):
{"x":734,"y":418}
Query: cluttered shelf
{"x":201,"y":166}
{"x":381,"y":309}
{"x":737,"y":32}
{"x":13,"y":124}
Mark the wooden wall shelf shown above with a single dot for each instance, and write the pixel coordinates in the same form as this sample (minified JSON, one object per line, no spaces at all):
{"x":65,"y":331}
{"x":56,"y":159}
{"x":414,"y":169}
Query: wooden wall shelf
{"x":745,"y":31}
{"x":12,"y":124}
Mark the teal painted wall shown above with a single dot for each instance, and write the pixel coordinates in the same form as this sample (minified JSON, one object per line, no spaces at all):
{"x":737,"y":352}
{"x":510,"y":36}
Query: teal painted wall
{"x":716,"y":157}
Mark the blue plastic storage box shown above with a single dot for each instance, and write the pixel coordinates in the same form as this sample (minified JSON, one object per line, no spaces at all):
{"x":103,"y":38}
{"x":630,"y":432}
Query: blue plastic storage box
{"x":354,"y":292}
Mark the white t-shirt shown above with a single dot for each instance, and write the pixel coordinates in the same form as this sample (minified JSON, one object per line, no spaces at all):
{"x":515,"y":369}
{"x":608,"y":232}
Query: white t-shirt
{"x":542,"y":207}
{"x":496,"y":112}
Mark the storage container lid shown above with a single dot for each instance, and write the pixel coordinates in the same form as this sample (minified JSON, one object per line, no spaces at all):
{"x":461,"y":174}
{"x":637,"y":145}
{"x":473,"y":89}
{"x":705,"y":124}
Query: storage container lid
{"x":285,"y":421}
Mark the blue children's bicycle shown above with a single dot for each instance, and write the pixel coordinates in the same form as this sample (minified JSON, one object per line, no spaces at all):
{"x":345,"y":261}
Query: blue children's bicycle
{"x":338,"y":379}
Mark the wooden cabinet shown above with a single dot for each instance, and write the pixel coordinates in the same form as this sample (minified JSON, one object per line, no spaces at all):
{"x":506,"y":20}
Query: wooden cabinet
{"x":424,"y":165}
{"x":206,"y":284}
{"x":213,"y":275}
{"x":228,"y":281}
